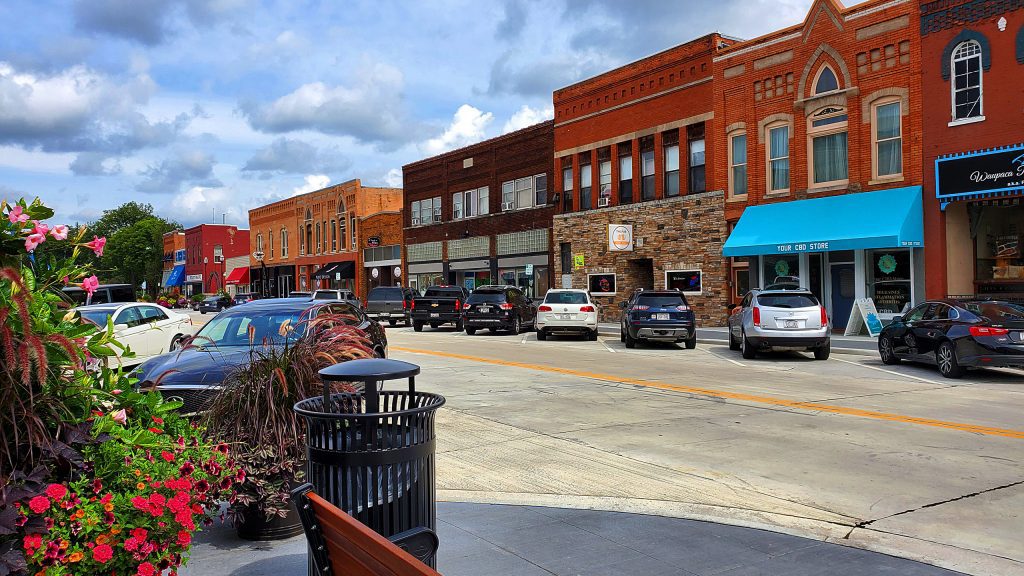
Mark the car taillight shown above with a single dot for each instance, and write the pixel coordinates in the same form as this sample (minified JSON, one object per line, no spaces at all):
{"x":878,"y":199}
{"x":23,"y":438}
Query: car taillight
{"x":682,"y":307}
{"x":412,"y":305}
{"x":404,"y":304}
{"x":458,"y":304}
{"x":505,"y":306}
{"x":986,"y":331}
{"x":587,"y":309}
{"x":640,"y":307}
{"x":757,"y":316}
{"x":824,"y":317}
{"x":467,"y":306}
{"x":545,"y":309}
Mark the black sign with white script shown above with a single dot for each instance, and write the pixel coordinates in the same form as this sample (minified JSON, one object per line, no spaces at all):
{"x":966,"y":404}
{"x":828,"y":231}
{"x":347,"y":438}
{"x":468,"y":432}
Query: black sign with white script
{"x":987,"y":172}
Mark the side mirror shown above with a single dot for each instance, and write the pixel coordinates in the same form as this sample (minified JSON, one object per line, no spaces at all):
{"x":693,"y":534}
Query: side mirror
{"x":897,"y":318}
{"x":118,"y":327}
{"x":622,"y":305}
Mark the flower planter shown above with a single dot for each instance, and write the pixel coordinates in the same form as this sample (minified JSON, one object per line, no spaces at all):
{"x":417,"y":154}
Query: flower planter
{"x":253,"y":525}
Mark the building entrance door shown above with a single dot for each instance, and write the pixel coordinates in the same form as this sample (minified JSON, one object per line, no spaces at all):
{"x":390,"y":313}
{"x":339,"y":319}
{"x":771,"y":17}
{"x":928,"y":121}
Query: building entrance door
{"x":844,"y":292}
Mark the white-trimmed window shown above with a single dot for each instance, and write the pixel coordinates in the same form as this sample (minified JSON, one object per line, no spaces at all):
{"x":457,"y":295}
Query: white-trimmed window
{"x":825,"y":81}
{"x":827,"y":147}
{"x":457,"y":205}
{"x":259,"y":242}
{"x":604,"y":169}
{"x":334,"y":236}
{"x":352,"y":226}
{"x":342,"y":217}
{"x":586,"y":185}
{"x":647,"y":175}
{"x":567,"y":188}
{"x":672,"y":170}
{"x":482,"y":203}
{"x":777,"y":148}
{"x":887,"y":138}
{"x":284,"y":242}
{"x":738,"y":164}
{"x":966,"y":85}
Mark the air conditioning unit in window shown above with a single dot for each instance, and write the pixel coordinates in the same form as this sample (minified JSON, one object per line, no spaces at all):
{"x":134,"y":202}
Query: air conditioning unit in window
{"x":437,"y":216}
{"x":508,"y":205}
{"x":218,"y":259}
{"x":602,"y":202}
{"x":416,"y":222}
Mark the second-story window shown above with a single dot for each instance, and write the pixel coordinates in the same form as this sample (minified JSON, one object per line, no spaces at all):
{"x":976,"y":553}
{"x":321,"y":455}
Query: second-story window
{"x":567,"y":188}
{"x":827,"y":133}
{"x":508,"y":195}
{"x":341,"y":231}
{"x":647,"y":168}
{"x":284,"y":243}
{"x":738,"y":164}
{"x":319,"y":242}
{"x":259,"y":242}
{"x":778,"y":158}
{"x":671,"y":149}
{"x":334,"y":235}
{"x":270,"y":240}
{"x":887,"y":132}
{"x":352,"y":224}
{"x":457,"y":205}
{"x":586,"y":184}
{"x":695,"y":139}
{"x":967,"y":93}
{"x":625,"y":173}
{"x":604,"y":171}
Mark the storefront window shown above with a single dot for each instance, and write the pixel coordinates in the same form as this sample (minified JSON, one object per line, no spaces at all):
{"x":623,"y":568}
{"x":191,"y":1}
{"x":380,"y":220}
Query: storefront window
{"x":889,"y":279}
{"x":534,"y":284}
{"x":424,"y":281}
{"x":776,"y":267}
{"x":998,"y":244}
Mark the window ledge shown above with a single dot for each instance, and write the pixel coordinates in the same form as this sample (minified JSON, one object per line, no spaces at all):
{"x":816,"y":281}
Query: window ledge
{"x":829,"y":187}
{"x":777,"y":194}
{"x":737,"y":198}
{"x":963,"y":121}
{"x":886,"y":180}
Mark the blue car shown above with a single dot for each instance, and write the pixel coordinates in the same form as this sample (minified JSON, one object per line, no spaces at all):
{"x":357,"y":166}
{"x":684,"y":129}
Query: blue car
{"x":658,"y":316}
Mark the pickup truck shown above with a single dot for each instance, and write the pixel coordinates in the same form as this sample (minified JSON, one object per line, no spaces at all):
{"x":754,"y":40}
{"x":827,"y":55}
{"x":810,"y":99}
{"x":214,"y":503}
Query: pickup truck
{"x":391,"y":303}
{"x":439,"y":305}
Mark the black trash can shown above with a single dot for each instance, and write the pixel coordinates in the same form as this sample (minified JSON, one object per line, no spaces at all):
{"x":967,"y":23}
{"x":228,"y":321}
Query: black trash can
{"x":371,"y":453}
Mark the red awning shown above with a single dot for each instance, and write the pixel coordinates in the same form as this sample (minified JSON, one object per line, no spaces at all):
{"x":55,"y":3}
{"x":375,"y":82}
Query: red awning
{"x":238,"y":276}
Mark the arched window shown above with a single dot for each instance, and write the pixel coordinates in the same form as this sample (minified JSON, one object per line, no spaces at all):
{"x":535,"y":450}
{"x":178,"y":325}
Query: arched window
{"x":284,"y":242}
{"x":826,"y":81}
{"x":341,"y":222}
{"x":966,"y":67}
{"x":307,"y":234}
{"x":319,"y":244}
{"x":259,"y":242}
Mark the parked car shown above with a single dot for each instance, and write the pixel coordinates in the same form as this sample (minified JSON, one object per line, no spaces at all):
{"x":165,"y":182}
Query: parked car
{"x":499,"y":308}
{"x":336,"y":294}
{"x":243,"y":297}
{"x":147,"y":329}
{"x":784,"y":319}
{"x":300,"y":294}
{"x":658,"y":315}
{"x":194,"y":373}
{"x":439,"y":305}
{"x":215,"y":303}
{"x":567,"y":311}
{"x":391,"y":303}
{"x":104,"y":294}
{"x":956,"y":335}
{"x":785,"y":283}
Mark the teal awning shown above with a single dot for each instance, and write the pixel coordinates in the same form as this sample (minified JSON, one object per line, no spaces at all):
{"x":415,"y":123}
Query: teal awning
{"x":883,"y":219}
{"x":177,"y":276}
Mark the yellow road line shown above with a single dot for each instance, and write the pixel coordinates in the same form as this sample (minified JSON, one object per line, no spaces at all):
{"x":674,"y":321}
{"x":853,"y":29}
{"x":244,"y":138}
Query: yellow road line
{"x":811,"y":406}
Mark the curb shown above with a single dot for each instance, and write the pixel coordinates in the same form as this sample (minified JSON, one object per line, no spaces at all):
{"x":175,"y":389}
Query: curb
{"x":835,"y":349}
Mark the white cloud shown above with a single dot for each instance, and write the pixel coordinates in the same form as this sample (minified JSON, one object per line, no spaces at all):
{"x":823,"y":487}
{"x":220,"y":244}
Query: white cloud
{"x":201,"y":204}
{"x":468,"y":126}
{"x":393,"y":178}
{"x":313,"y":183}
{"x":527,"y":116}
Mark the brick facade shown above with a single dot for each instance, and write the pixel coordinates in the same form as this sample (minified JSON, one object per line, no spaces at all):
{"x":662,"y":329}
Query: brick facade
{"x":202,"y":261}
{"x":952,"y":260}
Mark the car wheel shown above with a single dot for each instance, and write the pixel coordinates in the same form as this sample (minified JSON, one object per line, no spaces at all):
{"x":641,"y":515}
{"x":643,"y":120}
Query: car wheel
{"x":630,"y":341}
{"x":392,"y":323}
{"x":542,"y":335}
{"x":516,"y":326}
{"x":459,"y":326}
{"x":886,"y":352}
{"x":470,"y":331}
{"x":175,"y":343}
{"x":417,"y":326}
{"x":592,"y":335}
{"x":746,"y":349}
{"x":202,"y":312}
{"x":822,"y":352}
{"x":691,"y":342}
{"x":733,"y":344}
{"x":945,"y":357}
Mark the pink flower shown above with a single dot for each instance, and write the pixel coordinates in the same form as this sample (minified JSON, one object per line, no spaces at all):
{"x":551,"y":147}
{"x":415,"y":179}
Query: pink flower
{"x":39,"y":504}
{"x":16,"y":215}
{"x":102,"y":553}
{"x":59,"y":232}
{"x":34,"y":240}
{"x":96,"y":245}
{"x":146,"y":569}
{"x":90,"y":284}
{"x":39,"y":228}
{"x":56,"y":491}
{"x":121,"y":417}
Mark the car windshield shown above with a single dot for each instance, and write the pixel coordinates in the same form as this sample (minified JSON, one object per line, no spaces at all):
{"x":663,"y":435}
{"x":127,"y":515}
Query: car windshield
{"x":442,"y":293}
{"x":385,"y":294}
{"x":98,"y":317}
{"x":663,"y":301}
{"x":233,"y":329}
{"x":565,"y":298}
{"x":486,"y":297}
{"x":791,"y":300}
{"x":997,"y":312}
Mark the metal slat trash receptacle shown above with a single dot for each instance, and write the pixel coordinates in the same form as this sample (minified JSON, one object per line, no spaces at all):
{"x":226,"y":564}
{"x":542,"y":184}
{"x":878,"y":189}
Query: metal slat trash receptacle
{"x":371,"y":453}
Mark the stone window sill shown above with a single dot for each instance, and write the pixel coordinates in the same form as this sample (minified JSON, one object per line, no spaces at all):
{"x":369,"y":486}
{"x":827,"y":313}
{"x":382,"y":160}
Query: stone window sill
{"x":886,"y":180}
{"x":963,"y":121}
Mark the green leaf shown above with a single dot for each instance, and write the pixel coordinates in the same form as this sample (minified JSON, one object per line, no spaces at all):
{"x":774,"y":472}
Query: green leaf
{"x":29,"y":277}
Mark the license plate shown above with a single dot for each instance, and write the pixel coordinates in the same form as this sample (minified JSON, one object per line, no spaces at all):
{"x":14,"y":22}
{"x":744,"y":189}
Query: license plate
{"x":659,"y":316}
{"x":568,"y":316}
{"x":484,"y":309}
{"x":435,"y":314}
{"x":791,"y":324}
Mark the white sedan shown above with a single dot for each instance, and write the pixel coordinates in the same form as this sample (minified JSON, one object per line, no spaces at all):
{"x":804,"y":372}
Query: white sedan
{"x":147,"y":329}
{"x":567,"y":311}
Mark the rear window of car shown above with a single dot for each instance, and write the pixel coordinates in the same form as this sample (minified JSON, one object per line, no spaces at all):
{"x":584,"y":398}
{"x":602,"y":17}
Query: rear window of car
{"x":213,"y":299}
{"x":326,"y":295}
{"x":486,"y":297}
{"x":385,"y":294}
{"x":661,"y":300}
{"x":565,"y":298}
{"x":790,"y":300}
{"x":442,"y":292}
{"x":996,"y":311}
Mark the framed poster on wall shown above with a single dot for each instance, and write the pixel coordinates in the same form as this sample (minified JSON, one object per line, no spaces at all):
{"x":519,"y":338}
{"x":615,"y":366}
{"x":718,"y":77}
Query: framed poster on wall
{"x":687,"y":281}
{"x":601,"y":284}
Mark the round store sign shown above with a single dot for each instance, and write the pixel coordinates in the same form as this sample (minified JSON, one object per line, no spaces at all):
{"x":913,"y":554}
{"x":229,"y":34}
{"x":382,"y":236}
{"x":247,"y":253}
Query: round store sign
{"x":620,"y":237}
{"x":398,"y":271}
{"x":374,"y":273}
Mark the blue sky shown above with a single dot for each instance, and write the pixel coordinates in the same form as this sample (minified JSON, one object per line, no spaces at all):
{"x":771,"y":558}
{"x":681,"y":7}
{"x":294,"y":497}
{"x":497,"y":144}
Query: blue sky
{"x":206,"y":108}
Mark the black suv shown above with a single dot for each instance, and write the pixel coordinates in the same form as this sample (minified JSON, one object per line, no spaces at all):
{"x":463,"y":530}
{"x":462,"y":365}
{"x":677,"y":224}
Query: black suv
{"x":215,"y":303}
{"x":658,"y":315}
{"x":391,"y":303}
{"x":499,"y":308}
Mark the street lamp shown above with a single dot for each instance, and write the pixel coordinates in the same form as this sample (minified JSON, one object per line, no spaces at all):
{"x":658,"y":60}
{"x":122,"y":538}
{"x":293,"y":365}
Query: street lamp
{"x":258,"y":255}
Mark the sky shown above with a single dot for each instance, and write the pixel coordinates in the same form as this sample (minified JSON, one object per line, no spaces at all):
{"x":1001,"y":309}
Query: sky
{"x":207,"y":108}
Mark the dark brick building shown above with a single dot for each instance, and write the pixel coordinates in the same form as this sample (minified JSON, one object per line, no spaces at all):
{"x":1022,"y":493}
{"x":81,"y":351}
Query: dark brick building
{"x":482,"y":214}
{"x":972,"y":54}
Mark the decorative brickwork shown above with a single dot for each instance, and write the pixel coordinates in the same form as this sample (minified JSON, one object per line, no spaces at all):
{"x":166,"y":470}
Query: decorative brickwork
{"x":947,"y":14}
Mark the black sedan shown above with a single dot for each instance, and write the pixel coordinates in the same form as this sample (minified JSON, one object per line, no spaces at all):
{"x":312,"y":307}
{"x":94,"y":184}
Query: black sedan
{"x":194,"y":373}
{"x":215,"y":304}
{"x":955,"y":335}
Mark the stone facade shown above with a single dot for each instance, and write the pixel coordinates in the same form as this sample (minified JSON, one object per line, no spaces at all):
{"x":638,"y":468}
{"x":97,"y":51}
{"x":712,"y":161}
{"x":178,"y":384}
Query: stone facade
{"x":683,"y":233}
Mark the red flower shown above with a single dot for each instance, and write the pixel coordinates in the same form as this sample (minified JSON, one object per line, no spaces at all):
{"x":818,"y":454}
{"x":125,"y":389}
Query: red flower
{"x":132,"y":544}
{"x":102,"y":553}
{"x":167,"y":456}
{"x":139,"y":533}
{"x":156,"y":431}
{"x":187,"y":469}
{"x":32,"y":542}
{"x":106,"y":497}
{"x":39,"y":504}
{"x":56,"y":491}
{"x":97,"y":485}
{"x":146,"y":569}
{"x":184,"y":537}
{"x":158,"y":420}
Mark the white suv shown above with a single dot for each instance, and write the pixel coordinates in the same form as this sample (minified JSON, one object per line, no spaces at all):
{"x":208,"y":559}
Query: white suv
{"x":567,"y":311}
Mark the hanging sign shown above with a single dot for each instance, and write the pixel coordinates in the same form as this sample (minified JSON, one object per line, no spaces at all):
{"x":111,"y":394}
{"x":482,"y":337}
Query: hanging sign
{"x":374,"y":273}
{"x":620,"y":237}
{"x":397,"y":271}
{"x":864,"y":315}
{"x":578,"y":261}
{"x":980,"y":172}
{"x":529,"y":269}
{"x":373,"y":241}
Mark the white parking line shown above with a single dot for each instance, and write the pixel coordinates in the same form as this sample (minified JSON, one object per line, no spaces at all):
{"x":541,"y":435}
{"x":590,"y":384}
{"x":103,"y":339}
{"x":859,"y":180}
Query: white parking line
{"x":525,"y":336}
{"x":723,"y":357}
{"x":894,"y":373}
{"x":609,"y":348}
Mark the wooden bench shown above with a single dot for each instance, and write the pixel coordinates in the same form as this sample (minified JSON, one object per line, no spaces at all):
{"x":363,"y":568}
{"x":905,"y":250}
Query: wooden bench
{"x":342,"y":546}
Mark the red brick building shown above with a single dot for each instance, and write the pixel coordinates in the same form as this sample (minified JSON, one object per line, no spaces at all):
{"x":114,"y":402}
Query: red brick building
{"x":482,"y":214}
{"x":972,"y":53}
{"x":207,"y":246}
{"x":174,"y":257}
{"x":640,"y":205}
{"x":818,"y":127}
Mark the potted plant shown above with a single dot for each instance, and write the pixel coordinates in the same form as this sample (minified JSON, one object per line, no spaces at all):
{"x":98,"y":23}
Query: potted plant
{"x":196,"y":299}
{"x":253,"y":415}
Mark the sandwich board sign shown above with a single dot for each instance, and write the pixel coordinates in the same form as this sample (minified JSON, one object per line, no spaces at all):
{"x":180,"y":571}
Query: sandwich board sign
{"x":864,"y":315}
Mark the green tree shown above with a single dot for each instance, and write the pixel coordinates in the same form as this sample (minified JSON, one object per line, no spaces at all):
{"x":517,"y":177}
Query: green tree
{"x":134,"y":251}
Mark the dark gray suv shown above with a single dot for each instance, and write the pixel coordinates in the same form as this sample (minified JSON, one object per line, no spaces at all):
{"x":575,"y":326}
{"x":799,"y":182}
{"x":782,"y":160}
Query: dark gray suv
{"x":391,"y":303}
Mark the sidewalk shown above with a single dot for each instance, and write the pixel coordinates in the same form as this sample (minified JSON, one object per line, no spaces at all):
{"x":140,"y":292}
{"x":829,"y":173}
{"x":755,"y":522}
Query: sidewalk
{"x":500,"y":540}
{"x":856,"y":345}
